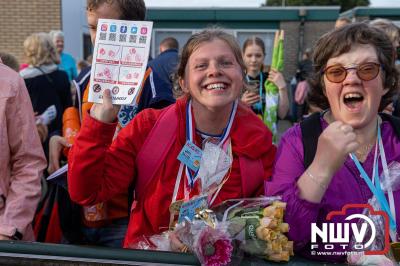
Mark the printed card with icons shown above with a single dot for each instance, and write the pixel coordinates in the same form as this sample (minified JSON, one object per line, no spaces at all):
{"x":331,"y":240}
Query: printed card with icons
{"x":120,"y":58}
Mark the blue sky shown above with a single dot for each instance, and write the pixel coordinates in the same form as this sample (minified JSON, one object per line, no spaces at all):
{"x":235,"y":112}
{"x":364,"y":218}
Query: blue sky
{"x":241,"y":3}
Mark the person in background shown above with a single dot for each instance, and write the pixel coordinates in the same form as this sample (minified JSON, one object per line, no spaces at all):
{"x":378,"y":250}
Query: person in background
{"x":67,"y":62}
{"x":355,"y":78}
{"x":166,"y":62}
{"x":342,"y":21}
{"x":392,"y":31}
{"x":82,"y":64}
{"x":304,"y":72}
{"x":10,"y":60}
{"x":46,"y":84}
{"x":21,"y":159}
{"x":89,"y":59}
{"x":253,"y":55}
{"x":105,"y":223}
{"x":211,"y":77}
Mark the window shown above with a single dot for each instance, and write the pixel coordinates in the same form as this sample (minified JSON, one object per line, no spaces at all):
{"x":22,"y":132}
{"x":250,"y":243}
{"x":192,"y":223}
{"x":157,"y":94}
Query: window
{"x":158,"y":35}
{"x":182,"y":35}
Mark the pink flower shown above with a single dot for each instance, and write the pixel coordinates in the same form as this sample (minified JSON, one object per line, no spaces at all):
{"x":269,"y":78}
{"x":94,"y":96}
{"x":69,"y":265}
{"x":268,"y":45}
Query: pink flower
{"x":213,"y":247}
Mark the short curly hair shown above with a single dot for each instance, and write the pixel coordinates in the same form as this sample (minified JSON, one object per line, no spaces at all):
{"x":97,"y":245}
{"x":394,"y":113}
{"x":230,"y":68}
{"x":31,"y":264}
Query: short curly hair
{"x":340,"y":41}
{"x":388,"y":27}
{"x":129,"y":9}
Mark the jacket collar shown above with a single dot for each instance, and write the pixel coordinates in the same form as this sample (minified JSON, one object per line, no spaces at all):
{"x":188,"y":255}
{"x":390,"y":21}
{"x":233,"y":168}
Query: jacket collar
{"x":32,"y":72}
{"x":249,"y":136}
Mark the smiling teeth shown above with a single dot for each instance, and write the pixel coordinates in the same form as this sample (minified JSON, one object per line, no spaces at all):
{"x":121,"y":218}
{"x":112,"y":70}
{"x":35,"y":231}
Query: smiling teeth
{"x":352,"y":95}
{"x":216,"y":86}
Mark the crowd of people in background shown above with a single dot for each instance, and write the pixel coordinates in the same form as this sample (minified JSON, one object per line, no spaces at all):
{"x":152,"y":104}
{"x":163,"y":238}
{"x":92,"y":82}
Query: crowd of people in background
{"x":345,"y":81}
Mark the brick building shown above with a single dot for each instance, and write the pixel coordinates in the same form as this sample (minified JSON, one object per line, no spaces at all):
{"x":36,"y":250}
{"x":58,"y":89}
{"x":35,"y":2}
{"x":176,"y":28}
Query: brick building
{"x":302,"y":25}
{"x":20,"y":18}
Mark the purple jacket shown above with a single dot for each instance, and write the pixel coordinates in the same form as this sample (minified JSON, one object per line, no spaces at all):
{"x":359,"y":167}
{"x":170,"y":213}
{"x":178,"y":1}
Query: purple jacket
{"x":346,"y":186}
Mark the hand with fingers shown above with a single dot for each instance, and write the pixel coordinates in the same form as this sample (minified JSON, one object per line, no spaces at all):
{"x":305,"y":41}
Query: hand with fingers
{"x":56,"y":144}
{"x":41,"y":128}
{"x":176,"y":244}
{"x":4,"y":237}
{"x":250,"y":98}
{"x":334,"y":145}
{"x":277,"y":78}
{"x":43,"y":131}
{"x":105,"y":112}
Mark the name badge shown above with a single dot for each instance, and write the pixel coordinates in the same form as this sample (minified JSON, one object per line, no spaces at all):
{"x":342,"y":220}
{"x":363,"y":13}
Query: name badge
{"x":190,"y":208}
{"x":190,"y":156}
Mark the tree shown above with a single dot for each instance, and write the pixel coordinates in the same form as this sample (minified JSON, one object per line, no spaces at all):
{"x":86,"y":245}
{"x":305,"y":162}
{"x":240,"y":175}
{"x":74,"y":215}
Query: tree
{"x":344,"y":4}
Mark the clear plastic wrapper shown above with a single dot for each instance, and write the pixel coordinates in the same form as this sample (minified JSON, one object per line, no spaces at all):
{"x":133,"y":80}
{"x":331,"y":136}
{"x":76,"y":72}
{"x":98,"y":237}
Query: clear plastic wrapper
{"x":391,"y":181}
{"x":223,"y":235}
{"x":257,"y":224}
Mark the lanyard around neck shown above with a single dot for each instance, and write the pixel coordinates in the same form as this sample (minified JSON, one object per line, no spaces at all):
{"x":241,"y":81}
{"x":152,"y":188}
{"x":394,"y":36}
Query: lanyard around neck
{"x":376,"y":189}
{"x":190,"y":133}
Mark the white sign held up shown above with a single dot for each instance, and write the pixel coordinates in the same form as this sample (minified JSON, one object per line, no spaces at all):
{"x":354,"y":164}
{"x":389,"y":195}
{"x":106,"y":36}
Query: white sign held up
{"x":119,"y":59}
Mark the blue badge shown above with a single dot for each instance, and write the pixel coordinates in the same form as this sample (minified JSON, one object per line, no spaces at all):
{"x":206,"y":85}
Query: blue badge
{"x":190,"y":208}
{"x":190,"y":155}
{"x":134,"y":30}
{"x":126,"y":114}
{"x":124,"y":29}
{"x":113,"y":28}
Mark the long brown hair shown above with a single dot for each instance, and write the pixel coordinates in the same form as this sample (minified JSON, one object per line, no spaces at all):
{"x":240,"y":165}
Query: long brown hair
{"x":257,"y":41}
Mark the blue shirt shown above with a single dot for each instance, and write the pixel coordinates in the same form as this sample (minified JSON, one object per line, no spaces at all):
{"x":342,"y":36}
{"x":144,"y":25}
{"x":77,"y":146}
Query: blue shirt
{"x":165,"y":64}
{"x":68,"y":64}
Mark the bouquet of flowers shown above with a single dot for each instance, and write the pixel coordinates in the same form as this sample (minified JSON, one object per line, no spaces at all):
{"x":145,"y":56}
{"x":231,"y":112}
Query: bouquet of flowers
{"x":222,"y":236}
{"x":257,"y":224}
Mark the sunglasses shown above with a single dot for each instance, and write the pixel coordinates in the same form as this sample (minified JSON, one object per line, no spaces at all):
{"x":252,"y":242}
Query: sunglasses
{"x":366,"y":72}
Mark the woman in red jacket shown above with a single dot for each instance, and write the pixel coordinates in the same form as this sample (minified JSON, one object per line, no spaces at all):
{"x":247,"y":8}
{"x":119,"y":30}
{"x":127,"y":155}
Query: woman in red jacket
{"x":160,"y":150}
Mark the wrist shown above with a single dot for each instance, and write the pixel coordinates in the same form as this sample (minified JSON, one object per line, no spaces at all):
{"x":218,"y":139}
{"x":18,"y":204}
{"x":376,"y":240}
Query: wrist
{"x":320,"y":172}
{"x":320,"y":182}
{"x":282,"y":88}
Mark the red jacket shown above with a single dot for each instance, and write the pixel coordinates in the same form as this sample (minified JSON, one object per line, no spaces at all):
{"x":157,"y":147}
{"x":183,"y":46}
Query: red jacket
{"x":99,"y":168}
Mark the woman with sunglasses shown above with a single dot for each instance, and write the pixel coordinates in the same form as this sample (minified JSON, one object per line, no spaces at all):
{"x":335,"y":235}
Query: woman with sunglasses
{"x":354,"y":79}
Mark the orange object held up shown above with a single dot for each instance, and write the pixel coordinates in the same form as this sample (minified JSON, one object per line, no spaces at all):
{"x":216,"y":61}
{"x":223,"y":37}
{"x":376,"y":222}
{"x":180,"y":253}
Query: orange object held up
{"x":71,"y":126}
{"x":85,"y":104}
{"x":86,"y":109}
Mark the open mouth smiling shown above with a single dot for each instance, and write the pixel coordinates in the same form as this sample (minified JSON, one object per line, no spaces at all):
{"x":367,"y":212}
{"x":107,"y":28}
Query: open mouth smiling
{"x":353,"y":100}
{"x":216,"y":86}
